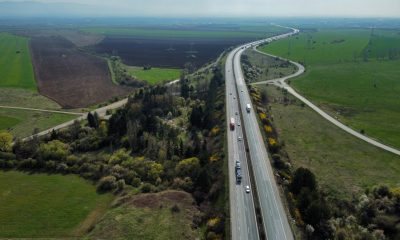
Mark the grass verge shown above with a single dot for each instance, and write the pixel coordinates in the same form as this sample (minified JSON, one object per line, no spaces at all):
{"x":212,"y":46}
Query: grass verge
{"x":343,"y":164}
{"x":21,"y":123}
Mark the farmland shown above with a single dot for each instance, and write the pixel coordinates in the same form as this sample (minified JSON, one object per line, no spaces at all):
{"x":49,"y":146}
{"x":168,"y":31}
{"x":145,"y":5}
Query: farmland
{"x":70,"y":77}
{"x":343,"y":164}
{"x":352,"y":74}
{"x":154,"y":75}
{"x":41,"y":205}
{"x":22,"y":123}
{"x":173,"y":47}
{"x":15,"y":63}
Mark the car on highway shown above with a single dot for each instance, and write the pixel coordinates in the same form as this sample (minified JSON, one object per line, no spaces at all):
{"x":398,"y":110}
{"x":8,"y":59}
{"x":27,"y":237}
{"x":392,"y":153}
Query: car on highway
{"x":239,"y":124}
{"x":240,"y":138}
{"x":230,"y":93}
{"x":237,"y":113}
{"x":247,"y":188}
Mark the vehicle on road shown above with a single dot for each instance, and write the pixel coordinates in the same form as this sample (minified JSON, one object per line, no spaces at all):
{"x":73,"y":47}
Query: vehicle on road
{"x":248,"y":107}
{"x":237,"y":164}
{"x":240,"y":138}
{"x":237,"y":113}
{"x":232,"y":124}
{"x":238,"y":124}
{"x":247,"y":189}
{"x":238,"y":175}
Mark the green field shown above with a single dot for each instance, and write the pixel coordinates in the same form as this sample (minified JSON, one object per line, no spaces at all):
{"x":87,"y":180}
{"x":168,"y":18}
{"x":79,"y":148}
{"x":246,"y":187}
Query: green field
{"x":18,"y":97}
{"x":154,"y":75}
{"x":41,"y":205}
{"x":15,"y":62}
{"x":343,"y":164}
{"x":21,"y":123}
{"x":362,"y":94}
{"x":251,"y":32}
{"x":149,"y":216}
{"x":8,"y":122}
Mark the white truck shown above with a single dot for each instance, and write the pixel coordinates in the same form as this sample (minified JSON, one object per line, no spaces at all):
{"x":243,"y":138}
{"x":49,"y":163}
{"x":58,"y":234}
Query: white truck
{"x":248,"y":107}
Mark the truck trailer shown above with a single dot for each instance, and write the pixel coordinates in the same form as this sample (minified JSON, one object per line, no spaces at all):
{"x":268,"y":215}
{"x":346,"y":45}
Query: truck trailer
{"x":232,"y":124}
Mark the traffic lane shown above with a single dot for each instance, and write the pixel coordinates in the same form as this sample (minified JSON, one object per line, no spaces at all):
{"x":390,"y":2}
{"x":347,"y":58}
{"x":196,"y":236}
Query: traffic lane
{"x":248,"y":197}
{"x":272,"y":209}
{"x":243,"y":199}
{"x":241,"y":214}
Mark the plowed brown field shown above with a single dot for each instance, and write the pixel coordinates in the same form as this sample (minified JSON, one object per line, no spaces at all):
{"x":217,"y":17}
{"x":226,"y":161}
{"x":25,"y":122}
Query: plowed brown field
{"x":71,"y":77}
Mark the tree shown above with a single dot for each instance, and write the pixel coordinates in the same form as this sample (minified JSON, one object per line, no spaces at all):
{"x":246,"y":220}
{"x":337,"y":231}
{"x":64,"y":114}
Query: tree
{"x":93,"y":120}
{"x":54,"y":150}
{"x":5,"y":141}
{"x":107,"y":183}
{"x":189,"y":167}
{"x":303,"y":178}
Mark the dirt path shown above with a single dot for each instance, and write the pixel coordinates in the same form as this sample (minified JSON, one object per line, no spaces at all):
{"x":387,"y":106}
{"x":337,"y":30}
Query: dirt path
{"x":40,"y":110}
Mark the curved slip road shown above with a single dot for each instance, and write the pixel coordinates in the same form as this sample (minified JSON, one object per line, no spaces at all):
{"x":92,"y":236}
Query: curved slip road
{"x":280,"y":82}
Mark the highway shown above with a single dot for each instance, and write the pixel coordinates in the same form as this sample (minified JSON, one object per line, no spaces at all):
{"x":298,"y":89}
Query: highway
{"x":276,"y":225}
{"x":242,"y":210}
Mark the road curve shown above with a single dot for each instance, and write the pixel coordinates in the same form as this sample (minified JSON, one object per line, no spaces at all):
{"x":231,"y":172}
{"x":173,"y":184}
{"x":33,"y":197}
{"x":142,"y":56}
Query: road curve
{"x":280,"y":82}
{"x":276,"y":224}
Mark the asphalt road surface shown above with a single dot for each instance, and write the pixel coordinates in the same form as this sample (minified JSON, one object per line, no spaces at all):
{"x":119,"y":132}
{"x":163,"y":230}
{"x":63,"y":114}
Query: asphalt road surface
{"x":242,"y":210}
{"x":274,"y":217}
{"x":280,"y":82}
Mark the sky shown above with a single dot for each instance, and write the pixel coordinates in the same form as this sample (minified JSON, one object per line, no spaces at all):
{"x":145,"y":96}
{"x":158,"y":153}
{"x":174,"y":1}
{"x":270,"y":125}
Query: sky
{"x":237,"y":8}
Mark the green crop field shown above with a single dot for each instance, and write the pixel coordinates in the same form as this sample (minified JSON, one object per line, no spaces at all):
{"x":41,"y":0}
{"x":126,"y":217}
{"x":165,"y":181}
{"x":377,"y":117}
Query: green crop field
{"x":21,"y":123}
{"x":244,"y":31}
{"x":15,"y":62}
{"x":362,"y":94}
{"x":41,"y":205}
{"x":8,"y":122}
{"x":154,"y":75}
{"x":343,"y":164}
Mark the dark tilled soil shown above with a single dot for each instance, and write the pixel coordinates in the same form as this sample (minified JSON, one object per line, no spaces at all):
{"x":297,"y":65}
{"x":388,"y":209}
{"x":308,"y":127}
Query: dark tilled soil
{"x":164,"y":52}
{"x":71,"y":77}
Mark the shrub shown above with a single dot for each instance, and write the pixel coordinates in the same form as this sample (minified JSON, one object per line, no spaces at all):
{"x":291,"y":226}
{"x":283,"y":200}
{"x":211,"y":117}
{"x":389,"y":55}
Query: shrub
{"x":107,"y":183}
{"x":147,"y":187}
{"x":55,"y":150}
{"x":175,"y":209}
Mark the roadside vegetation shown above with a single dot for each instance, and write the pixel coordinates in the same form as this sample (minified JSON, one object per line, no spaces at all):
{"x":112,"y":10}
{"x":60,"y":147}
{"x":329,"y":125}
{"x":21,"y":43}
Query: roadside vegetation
{"x":42,"y":205}
{"x":352,"y":74}
{"x":335,"y":185}
{"x":258,"y":67}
